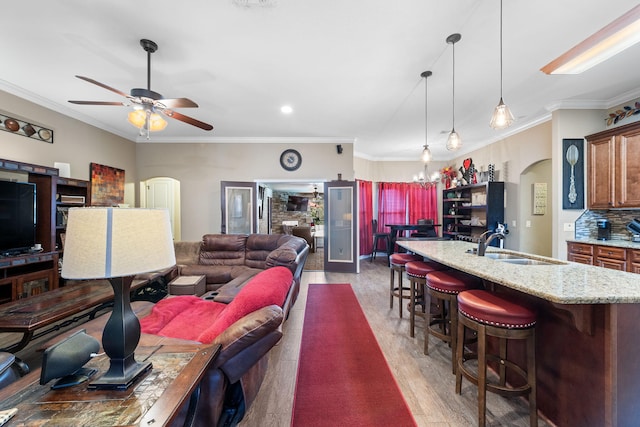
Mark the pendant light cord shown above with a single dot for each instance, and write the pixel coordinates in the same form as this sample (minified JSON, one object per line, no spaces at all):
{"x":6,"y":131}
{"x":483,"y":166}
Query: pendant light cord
{"x":426,"y":113}
{"x":500,"y":49}
{"x":453,"y":115}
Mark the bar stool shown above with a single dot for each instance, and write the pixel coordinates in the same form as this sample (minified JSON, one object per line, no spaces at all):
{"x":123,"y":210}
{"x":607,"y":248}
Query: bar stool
{"x":417,"y":274}
{"x":493,"y":316}
{"x":443,"y":288}
{"x":397,"y":262}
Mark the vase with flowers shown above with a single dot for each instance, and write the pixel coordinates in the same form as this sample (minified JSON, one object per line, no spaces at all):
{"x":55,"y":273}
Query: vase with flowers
{"x":448,"y":175}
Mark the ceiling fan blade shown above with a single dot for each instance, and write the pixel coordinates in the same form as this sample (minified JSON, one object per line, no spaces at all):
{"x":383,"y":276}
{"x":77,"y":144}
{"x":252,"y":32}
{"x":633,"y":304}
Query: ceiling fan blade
{"x":178,"y":103}
{"x":98,"y":103}
{"x":102,"y":85}
{"x":187,"y":119}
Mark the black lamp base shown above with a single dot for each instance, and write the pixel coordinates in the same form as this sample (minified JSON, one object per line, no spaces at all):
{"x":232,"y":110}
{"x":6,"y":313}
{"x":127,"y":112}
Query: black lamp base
{"x":119,"y":339}
{"x":119,"y":382}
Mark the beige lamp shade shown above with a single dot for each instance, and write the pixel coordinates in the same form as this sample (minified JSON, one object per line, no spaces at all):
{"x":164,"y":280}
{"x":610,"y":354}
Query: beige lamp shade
{"x":113,"y":242}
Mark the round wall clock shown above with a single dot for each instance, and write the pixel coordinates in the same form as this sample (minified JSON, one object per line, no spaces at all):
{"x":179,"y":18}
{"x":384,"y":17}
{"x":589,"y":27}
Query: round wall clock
{"x":290,"y":159}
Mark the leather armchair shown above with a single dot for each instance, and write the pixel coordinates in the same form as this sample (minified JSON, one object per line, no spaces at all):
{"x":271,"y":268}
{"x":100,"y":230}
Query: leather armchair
{"x":305,"y":233}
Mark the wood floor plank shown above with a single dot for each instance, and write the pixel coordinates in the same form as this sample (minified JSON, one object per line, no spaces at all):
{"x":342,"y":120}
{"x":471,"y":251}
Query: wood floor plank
{"x":425,"y":381}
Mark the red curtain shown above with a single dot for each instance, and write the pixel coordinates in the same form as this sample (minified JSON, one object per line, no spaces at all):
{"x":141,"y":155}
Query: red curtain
{"x":366,"y":215}
{"x":422,"y":203}
{"x":392,"y":204}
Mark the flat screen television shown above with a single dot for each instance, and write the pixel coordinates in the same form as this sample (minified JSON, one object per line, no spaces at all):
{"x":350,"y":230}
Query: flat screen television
{"x":298,"y":203}
{"x":17,"y":217}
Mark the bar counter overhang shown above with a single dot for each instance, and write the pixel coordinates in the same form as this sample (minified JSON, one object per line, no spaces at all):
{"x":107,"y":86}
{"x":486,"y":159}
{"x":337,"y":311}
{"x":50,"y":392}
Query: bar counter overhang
{"x":588,"y":331}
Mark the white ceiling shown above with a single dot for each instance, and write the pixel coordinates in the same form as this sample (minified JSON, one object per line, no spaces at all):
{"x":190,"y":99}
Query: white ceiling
{"x":350,"y":69}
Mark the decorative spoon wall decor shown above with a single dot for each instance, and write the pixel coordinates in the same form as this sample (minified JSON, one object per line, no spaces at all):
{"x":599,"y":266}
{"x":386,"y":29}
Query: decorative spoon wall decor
{"x":572,"y":158}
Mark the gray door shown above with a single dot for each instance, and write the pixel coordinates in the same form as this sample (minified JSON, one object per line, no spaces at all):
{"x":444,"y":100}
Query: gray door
{"x":239,"y":207}
{"x":341,"y":227}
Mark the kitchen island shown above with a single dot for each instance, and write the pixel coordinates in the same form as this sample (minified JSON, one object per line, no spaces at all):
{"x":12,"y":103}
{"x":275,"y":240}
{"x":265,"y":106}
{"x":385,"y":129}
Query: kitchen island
{"x":588,"y":346}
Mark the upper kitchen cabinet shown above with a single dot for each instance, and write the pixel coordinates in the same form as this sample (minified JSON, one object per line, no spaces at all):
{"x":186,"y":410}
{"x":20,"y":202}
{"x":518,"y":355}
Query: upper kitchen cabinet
{"x":613,"y":168}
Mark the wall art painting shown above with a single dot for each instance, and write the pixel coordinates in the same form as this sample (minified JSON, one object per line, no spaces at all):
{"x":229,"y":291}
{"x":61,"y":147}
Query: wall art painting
{"x":107,"y":185}
{"x":573,"y":174}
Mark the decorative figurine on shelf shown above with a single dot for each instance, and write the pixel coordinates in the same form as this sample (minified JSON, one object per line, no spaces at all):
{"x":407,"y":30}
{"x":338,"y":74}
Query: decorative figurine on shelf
{"x":467,"y":170}
{"x":447,"y":175}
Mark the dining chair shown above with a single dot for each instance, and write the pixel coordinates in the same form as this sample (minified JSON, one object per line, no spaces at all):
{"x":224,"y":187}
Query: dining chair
{"x":386,"y":237}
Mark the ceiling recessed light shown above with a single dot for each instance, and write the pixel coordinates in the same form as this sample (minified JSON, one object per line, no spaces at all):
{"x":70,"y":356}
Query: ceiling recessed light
{"x":286,"y":109}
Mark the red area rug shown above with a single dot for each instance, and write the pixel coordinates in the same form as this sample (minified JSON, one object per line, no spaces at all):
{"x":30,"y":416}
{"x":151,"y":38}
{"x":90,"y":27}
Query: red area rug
{"x":343,"y":377}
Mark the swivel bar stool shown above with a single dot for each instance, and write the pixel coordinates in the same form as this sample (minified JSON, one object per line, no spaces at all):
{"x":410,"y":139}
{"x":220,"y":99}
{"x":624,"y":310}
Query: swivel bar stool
{"x":493,"y":316}
{"x":443,"y":288}
{"x":397,"y":262}
{"x":417,"y":274}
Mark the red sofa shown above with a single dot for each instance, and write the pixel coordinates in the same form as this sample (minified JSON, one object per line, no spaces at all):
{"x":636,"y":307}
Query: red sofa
{"x":246,"y":328}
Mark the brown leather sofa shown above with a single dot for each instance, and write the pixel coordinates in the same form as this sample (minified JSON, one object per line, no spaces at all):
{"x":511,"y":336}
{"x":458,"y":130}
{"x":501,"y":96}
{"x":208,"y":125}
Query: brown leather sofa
{"x":229,"y":260}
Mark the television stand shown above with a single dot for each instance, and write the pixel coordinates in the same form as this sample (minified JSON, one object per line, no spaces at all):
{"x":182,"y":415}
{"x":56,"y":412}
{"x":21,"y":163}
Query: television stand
{"x":27,"y":274}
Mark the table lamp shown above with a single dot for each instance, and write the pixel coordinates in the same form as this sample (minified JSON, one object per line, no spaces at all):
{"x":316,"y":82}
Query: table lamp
{"x":116,"y":244}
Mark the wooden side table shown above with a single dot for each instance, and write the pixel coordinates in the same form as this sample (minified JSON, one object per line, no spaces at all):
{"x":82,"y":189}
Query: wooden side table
{"x":178,"y":367}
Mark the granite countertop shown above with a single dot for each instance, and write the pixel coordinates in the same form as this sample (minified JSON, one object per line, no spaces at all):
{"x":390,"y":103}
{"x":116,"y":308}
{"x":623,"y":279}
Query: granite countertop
{"x":562,"y":282}
{"x":618,"y":243}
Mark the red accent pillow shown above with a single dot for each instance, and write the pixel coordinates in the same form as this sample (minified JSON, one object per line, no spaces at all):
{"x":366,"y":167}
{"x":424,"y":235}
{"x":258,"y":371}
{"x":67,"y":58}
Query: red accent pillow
{"x":269,"y":287}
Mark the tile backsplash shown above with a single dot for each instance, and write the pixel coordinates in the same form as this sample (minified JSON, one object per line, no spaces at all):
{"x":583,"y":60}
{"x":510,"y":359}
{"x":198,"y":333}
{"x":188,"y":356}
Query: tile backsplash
{"x":586,"y":224}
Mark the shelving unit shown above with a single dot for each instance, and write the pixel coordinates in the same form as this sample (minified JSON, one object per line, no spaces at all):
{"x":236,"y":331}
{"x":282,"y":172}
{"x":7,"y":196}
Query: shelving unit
{"x":28,"y":274}
{"x":470,"y":210}
{"x":69,"y":193}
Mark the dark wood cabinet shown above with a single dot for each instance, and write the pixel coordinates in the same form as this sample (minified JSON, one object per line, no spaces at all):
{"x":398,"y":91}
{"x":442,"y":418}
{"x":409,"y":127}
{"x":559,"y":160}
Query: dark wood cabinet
{"x":613,"y":168}
{"x":580,"y":252}
{"x":634,"y":260}
{"x":32,"y":273}
{"x":26,"y":275}
{"x":612,"y":257}
{"x":471,"y":210}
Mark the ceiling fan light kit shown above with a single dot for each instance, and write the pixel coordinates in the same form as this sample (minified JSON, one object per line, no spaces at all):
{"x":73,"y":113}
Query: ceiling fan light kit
{"x":148,"y":106}
{"x":454,"y":142}
{"x":146,"y":120}
{"x":501,"y":117}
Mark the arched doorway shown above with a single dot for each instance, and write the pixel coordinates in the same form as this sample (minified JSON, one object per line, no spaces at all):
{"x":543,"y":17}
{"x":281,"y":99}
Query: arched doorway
{"x":536,"y":226}
{"x":163,"y":192}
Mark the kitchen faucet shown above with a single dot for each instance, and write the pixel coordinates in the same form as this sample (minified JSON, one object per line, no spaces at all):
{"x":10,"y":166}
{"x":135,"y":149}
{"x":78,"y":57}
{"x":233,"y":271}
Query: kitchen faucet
{"x":483,"y":241}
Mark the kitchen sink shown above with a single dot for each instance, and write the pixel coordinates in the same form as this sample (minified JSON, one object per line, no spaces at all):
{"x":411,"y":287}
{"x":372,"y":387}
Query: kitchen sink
{"x":519,"y":259}
{"x":525,"y":261}
{"x":501,"y":256}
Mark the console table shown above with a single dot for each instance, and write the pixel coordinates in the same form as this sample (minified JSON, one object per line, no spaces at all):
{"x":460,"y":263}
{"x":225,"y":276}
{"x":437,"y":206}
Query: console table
{"x":156,"y":400}
{"x":29,"y":314}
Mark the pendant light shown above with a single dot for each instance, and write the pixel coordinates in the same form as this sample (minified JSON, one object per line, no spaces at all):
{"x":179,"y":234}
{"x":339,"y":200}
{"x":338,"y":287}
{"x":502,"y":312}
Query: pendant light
{"x":426,"y":153}
{"x":502,"y":117}
{"x":454,"y":142}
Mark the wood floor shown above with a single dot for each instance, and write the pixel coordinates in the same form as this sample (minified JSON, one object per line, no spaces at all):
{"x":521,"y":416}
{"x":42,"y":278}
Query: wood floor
{"x":426,"y":381}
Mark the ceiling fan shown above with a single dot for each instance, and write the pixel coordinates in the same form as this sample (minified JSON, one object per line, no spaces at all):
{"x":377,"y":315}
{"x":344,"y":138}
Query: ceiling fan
{"x":148,"y":106}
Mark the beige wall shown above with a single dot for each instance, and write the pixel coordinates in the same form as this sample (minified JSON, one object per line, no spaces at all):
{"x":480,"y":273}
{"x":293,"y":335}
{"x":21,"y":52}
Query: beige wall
{"x":201,"y":167}
{"x":392,"y":171}
{"x":75,"y":143}
{"x":569,"y":124}
{"x":536,"y":230}
{"x":512,"y":156}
